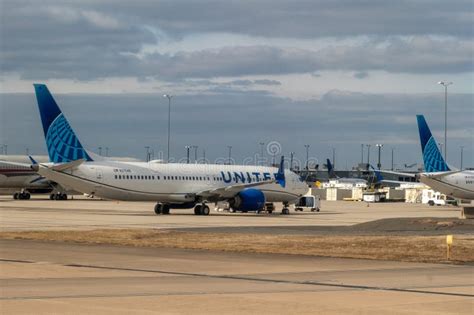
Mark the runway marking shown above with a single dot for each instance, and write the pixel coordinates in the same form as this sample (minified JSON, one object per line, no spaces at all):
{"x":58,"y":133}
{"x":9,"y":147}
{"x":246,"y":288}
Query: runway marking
{"x":248,"y":278}
{"x":232,"y":277}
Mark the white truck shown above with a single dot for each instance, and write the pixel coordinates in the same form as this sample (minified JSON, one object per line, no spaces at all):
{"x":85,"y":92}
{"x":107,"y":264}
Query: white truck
{"x":432,"y":198}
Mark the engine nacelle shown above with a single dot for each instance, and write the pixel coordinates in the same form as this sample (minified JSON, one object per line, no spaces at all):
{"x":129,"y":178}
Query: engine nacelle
{"x":248,"y":200}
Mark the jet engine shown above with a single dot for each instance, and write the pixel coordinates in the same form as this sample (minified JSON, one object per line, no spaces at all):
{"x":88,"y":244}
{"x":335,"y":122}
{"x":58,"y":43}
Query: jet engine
{"x":249,"y":199}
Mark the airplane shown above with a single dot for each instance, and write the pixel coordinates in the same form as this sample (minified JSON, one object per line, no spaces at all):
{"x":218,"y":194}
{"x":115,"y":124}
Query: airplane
{"x":17,"y":178}
{"x":171,"y":185}
{"x":438,"y":175}
{"x":20,"y":179}
{"x":344,"y":180}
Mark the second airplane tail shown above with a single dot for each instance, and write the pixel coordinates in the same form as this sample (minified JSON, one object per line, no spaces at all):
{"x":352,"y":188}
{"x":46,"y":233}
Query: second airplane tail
{"x":432,"y":157}
{"x":331,"y":172}
{"x":61,"y":141}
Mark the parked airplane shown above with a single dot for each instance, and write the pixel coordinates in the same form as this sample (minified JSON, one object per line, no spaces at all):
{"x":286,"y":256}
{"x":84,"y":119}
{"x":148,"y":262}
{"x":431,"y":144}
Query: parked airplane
{"x":171,"y":185}
{"x":21,"y":180}
{"x":18,"y":179}
{"x":344,"y":180}
{"x":438,"y":175}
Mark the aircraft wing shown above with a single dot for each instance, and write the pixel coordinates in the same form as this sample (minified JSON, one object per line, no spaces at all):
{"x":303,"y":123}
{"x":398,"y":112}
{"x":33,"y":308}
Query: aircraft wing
{"x":232,"y":190}
{"x":398,"y":173}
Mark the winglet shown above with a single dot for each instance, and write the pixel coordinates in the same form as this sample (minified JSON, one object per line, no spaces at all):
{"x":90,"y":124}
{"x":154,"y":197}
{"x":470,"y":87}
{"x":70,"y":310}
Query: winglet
{"x":280,"y":176}
{"x":34,"y":165}
{"x":32,"y":160}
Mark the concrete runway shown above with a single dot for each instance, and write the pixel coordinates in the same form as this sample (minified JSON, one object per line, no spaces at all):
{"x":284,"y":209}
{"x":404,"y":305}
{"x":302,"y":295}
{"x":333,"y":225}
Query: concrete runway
{"x":68,"y":278}
{"x":41,"y":213}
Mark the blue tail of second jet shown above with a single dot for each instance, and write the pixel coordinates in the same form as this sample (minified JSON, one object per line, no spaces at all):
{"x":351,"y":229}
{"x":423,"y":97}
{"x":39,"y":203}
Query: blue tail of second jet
{"x":432,"y":157}
{"x":61,"y":141}
{"x":331,"y":172}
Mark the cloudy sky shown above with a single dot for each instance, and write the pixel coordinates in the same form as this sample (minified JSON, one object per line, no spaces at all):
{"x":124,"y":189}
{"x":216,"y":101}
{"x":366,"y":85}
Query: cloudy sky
{"x":332,"y":74}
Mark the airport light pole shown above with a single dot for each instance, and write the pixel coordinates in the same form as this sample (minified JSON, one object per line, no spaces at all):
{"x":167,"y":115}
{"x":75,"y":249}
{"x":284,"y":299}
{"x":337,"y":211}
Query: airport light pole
{"x":204,"y":156}
{"x":393,"y":149}
{"x":100,"y":151}
{"x":195,"y":147}
{"x":187,"y":153}
{"x":307,"y":156}
{"x":230,"y":154}
{"x":368,"y":155}
{"x":361,"y":153}
{"x":334,"y":158}
{"x":379,"y":146}
{"x":106,"y":151}
{"x":261,"y":152}
{"x":147,"y":153}
{"x":445,"y":84}
{"x":169,"y":97}
{"x":291,"y":160}
{"x":462,"y":153}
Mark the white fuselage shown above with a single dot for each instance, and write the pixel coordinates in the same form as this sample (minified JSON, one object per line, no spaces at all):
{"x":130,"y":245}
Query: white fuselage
{"x":458,"y":184}
{"x":170,"y":183}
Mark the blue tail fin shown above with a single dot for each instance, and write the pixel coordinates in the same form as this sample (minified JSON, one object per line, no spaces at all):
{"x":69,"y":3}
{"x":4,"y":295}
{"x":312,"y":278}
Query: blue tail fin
{"x":432,"y":157}
{"x":280,"y":176}
{"x":378,"y":174}
{"x":331,"y":172}
{"x":62,"y":143}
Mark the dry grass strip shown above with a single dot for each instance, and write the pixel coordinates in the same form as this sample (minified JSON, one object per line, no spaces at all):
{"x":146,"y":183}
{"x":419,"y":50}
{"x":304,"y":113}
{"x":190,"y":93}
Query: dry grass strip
{"x":401,"y":248}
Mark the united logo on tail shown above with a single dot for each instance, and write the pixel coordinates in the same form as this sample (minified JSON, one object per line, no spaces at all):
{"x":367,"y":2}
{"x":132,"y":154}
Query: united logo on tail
{"x":61,"y":141}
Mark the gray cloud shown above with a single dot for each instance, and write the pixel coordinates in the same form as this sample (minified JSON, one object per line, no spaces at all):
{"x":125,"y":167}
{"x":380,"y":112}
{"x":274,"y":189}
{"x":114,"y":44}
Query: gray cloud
{"x":281,"y":18}
{"x":417,"y":55}
{"x":267,"y":82}
{"x":361,"y":75}
{"x":99,"y":39}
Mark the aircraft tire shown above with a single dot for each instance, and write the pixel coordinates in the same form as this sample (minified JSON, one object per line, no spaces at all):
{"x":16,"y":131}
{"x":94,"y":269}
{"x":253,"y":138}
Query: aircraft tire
{"x":51,"y":197}
{"x":16,"y":196}
{"x":205,"y":210}
{"x":285,"y":211}
{"x":158,"y":208}
{"x":197,"y":210}
{"x":165,"y":209}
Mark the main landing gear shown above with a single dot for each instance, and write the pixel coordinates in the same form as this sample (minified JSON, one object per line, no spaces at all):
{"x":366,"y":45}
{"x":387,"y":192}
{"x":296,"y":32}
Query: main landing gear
{"x":58,"y":196}
{"x":202,"y":209}
{"x":162,"y":208}
{"x":24,"y":195}
{"x":285,"y":209}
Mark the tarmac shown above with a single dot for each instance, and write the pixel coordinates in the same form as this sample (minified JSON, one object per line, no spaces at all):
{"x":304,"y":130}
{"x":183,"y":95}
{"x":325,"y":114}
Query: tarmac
{"x":45,"y":278}
{"x":68,"y":278}
{"x":41,"y":213}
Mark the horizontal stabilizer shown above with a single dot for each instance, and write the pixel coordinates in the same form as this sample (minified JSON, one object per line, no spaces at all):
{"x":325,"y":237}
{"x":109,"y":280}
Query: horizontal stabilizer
{"x":66,"y":166}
